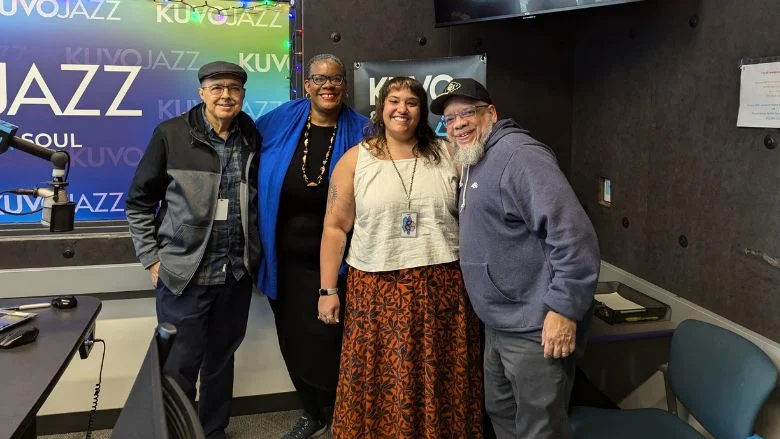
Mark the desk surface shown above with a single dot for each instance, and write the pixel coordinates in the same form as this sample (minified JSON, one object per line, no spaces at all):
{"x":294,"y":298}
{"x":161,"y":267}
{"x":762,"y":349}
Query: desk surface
{"x":28,"y":373}
{"x":602,"y":332}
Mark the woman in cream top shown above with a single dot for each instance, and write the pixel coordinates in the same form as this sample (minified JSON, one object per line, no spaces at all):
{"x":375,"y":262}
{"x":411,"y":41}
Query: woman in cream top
{"x":410,"y":355}
{"x":380,"y":201}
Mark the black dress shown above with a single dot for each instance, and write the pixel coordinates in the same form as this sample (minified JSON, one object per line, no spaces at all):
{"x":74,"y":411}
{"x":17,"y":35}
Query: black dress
{"x":310,"y":348}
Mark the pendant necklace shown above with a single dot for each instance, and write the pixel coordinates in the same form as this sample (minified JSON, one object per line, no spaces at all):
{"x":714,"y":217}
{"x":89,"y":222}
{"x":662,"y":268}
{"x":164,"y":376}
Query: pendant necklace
{"x":409,"y":218}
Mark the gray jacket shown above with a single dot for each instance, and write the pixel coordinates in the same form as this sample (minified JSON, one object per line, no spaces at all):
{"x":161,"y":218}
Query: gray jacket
{"x":180,"y":171}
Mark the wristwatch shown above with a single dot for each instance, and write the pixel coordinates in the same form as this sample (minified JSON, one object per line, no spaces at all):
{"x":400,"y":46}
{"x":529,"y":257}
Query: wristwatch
{"x":328,"y":291}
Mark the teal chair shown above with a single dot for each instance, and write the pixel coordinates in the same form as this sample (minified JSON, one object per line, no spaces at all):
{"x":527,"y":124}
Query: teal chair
{"x":721,"y":378}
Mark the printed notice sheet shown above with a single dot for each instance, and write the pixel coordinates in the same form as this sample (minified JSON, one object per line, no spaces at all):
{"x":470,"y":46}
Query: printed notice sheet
{"x":759,"y":96}
{"x":616,"y":302}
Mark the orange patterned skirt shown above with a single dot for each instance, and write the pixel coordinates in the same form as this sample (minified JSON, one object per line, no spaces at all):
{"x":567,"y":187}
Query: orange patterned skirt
{"x":410,"y":359}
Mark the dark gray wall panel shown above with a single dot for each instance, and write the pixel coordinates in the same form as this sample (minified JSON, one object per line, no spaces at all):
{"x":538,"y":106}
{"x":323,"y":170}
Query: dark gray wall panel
{"x":372,"y":30}
{"x":529,"y":73}
{"x":529,"y":61}
{"x":655,"y":106}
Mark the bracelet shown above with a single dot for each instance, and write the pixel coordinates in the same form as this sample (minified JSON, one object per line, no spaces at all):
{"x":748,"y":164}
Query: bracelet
{"x":328,"y":291}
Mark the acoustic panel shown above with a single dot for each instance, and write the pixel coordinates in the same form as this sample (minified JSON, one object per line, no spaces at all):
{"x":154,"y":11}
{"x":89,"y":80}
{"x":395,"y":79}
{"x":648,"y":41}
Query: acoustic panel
{"x":656,"y":94}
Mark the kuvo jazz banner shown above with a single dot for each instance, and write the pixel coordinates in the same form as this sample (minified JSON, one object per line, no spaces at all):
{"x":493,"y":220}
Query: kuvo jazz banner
{"x":434,"y":74}
{"x":94,"y":77}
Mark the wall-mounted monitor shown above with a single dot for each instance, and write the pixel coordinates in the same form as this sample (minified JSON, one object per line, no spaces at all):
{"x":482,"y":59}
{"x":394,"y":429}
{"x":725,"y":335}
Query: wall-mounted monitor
{"x":453,"y":12}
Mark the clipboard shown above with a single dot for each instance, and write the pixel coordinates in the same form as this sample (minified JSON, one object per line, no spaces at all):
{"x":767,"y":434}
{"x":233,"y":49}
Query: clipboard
{"x":624,"y":304}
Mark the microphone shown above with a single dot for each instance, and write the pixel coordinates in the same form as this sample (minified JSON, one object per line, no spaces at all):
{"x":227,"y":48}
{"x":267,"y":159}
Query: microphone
{"x":37,"y":192}
{"x":58,"y":211}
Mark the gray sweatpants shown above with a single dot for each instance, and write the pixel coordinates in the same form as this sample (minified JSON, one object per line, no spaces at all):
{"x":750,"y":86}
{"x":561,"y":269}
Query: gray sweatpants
{"x":526,"y":395}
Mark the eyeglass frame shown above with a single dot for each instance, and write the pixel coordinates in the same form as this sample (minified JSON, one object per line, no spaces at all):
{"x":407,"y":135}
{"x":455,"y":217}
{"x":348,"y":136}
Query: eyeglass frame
{"x":230,"y":88}
{"x":327,"y":79}
{"x":464,"y":114}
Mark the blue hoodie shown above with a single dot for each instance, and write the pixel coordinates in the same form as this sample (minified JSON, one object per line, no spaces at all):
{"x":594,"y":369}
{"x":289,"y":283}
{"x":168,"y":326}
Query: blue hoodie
{"x":526,"y":244}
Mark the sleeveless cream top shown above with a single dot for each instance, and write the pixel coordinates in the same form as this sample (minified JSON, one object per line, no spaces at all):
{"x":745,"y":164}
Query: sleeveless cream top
{"x":380,"y":201}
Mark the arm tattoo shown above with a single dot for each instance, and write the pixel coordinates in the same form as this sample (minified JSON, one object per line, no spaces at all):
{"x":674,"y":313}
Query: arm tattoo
{"x":343,"y":247}
{"x":332,"y":196}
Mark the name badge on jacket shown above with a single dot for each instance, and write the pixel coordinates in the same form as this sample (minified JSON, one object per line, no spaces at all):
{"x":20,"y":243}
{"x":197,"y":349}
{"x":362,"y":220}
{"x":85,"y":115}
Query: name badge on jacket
{"x":222,"y":209}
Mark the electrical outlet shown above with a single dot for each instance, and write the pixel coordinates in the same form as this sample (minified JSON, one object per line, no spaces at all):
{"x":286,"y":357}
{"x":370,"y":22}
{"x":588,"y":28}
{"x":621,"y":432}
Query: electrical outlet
{"x":86,"y":345}
{"x":605,"y":191}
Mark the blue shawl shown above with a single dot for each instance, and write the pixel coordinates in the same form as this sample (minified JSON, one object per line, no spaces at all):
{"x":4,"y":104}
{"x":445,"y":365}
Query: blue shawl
{"x":281,"y":129}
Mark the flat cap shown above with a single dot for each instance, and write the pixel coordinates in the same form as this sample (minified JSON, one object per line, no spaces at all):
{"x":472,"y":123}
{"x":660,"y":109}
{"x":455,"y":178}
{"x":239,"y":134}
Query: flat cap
{"x":221,"y":68}
{"x":466,"y":87}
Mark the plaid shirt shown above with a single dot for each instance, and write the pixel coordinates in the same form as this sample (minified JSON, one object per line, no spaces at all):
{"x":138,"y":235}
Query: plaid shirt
{"x":225,"y":249}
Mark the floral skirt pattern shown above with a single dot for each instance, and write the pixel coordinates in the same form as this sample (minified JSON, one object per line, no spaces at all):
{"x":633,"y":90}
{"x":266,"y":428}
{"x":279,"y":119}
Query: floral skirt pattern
{"x":410,"y":359}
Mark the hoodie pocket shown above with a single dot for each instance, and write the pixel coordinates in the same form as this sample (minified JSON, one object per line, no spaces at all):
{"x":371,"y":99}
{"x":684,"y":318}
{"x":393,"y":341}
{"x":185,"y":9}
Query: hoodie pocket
{"x":477,"y":279}
{"x":491,"y":305}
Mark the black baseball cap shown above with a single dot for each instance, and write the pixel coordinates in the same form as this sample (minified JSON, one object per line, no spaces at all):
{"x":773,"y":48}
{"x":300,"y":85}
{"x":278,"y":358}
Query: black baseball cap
{"x":466,"y":87}
{"x":221,"y":68}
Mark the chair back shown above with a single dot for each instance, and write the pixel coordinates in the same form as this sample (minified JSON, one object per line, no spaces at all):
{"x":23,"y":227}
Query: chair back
{"x":722,"y":378}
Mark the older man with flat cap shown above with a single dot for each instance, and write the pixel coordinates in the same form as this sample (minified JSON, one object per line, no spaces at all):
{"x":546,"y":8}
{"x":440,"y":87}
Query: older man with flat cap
{"x":192,"y":210}
{"x":530,"y":261}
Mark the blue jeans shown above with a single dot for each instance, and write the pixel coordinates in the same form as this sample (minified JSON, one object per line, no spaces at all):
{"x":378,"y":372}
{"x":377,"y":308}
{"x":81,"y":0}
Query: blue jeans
{"x":211,"y":324}
{"x":526,"y":395}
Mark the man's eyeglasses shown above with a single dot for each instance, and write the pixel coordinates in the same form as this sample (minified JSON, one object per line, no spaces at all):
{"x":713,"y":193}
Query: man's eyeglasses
{"x":466,"y":113}
{"x":322,"y":79}
{"x":218,"y":89}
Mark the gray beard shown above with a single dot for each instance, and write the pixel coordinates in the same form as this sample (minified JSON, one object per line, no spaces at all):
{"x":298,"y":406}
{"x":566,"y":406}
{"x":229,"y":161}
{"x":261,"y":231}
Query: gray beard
{"x":468,"y":155}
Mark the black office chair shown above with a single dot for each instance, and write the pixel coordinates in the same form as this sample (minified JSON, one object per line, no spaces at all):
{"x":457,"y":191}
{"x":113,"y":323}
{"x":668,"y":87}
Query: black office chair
{"x":157,"y":407}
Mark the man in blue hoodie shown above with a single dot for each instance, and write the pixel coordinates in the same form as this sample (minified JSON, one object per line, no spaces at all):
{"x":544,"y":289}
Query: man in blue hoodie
{"x":530,"y":262}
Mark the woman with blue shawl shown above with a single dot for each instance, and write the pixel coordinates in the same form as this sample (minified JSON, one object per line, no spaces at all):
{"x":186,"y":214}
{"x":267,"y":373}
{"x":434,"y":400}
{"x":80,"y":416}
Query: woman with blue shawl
{"x":302,"y":141}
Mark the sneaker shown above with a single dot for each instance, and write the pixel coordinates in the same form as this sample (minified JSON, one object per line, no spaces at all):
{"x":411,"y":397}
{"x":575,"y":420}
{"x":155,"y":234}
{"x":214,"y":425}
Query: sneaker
{"x":306,"y":427}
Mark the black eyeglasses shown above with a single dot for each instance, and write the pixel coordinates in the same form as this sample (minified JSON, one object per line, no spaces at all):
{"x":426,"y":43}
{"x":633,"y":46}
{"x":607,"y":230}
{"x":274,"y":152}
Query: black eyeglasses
{"x":322,"y":79}
{"x":218,"y":89}
{"x":466,"y":113}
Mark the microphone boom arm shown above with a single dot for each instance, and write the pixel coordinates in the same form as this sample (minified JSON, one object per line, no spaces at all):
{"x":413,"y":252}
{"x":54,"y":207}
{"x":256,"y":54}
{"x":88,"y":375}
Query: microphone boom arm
{"x":58,"y":159}
{"x":58,"y":210}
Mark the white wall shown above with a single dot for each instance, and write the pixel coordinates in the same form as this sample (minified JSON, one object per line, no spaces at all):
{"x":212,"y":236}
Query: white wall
{"x":127,"y":327}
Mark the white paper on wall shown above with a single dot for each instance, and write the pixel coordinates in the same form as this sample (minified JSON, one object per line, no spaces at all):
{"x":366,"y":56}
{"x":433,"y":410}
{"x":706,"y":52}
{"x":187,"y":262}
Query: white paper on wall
{"x":759,"y":96}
